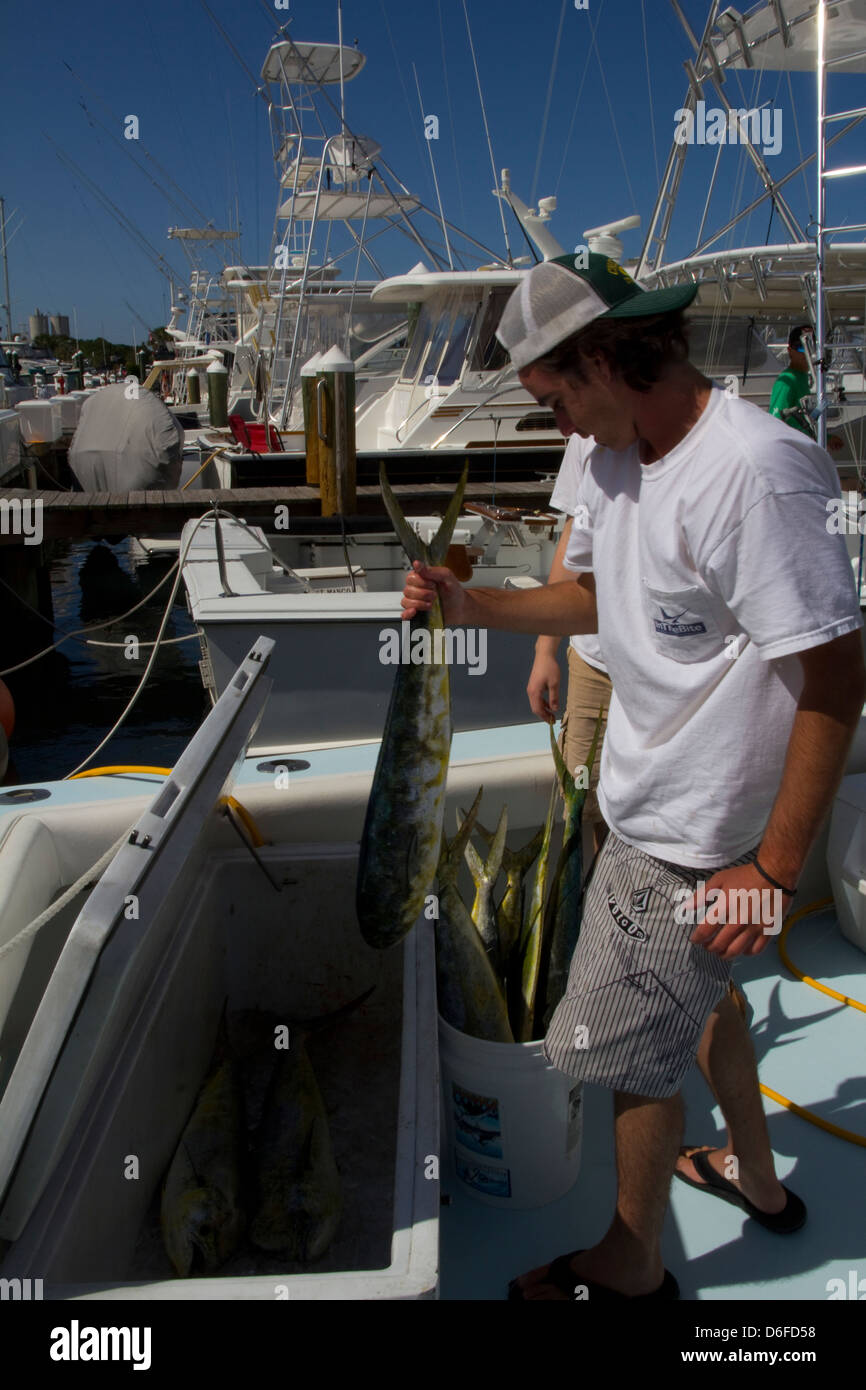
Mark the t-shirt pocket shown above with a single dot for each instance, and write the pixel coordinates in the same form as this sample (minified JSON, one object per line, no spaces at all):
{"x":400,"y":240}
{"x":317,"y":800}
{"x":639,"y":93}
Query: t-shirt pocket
{"x":683,"y":623}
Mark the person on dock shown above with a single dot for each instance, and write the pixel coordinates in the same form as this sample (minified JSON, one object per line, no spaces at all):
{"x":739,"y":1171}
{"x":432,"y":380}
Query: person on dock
{"x":793,"y":384}
{"x":729,"y":622}
{"x":588,"y":680}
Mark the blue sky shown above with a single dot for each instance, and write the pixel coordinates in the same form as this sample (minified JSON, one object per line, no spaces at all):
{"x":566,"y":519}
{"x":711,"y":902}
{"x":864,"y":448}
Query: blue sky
{"x":200,"y":120}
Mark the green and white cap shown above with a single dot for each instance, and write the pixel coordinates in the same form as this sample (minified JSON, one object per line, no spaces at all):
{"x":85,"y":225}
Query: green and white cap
{"x":559,"y":297}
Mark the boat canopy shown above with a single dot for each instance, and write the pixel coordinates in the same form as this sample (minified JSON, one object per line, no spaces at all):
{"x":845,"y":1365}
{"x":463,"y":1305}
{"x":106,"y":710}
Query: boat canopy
{"x":311,"y":63}
{"x":127,"y":440}
{"x":419,"y":287}
{"x":769,"y":279}
{"x":344,"y":207}
{"x":758,"y":39}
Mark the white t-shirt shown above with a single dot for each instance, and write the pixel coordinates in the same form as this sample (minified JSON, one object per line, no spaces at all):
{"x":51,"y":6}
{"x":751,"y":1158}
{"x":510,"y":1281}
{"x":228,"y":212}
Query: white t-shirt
{"x":564,"y":499}
{"x":713,"y":567}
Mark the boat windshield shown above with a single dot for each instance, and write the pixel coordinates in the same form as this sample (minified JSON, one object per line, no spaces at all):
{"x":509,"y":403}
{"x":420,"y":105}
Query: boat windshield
{"x":489,"y":354}
{"x":732,"y":347}
{"x":438,"y":348}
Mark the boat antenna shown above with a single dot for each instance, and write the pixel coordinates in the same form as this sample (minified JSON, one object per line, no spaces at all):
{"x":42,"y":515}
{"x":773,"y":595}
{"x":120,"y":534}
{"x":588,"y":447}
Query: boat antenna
{"x":487,"y":132}
{"x":435,"y":180}
{"x":342,"y":88}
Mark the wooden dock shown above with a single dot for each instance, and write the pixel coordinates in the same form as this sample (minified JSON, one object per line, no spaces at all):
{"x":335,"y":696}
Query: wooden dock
{"x":74,"y":515}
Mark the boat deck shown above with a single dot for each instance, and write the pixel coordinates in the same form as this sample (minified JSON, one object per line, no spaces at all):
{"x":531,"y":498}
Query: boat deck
{"x":807,"y":1046}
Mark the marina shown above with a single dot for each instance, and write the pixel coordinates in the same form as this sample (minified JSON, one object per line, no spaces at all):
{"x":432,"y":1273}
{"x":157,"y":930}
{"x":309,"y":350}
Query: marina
{"x":264,"y":1033}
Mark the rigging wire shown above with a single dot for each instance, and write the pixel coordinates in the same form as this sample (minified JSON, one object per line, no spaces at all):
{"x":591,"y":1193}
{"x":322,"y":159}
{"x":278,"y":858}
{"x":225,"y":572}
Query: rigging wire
{"x":487,"y":132}
{"x":435,"y":179}
{"x":544,"y":119}
{"x":80,"y":80}
{"x":634,"y":201}
{"x":397,"y":64}
{"x":451,"y":115}
{"x":650,"y":93}
{"x":583,"y":77}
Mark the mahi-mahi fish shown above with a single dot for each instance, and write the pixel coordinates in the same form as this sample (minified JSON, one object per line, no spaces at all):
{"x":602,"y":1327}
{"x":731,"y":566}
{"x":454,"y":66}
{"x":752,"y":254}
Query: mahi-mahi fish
{"x":526,"y":978}
{"x":298,"y":1195}
{"x":201,"y":1211}
{"x":470,"y":995}
{"x":402,"y":833}
{"x":509,"y":913}
{"x":565,"y":907}
{"x":484,"y":875}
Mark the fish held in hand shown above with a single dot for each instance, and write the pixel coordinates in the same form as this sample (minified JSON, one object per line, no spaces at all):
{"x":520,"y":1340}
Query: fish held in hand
{"x":402,"y":832}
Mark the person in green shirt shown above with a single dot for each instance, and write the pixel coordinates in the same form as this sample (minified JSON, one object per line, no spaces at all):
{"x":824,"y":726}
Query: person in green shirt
{"x":792,"y":385}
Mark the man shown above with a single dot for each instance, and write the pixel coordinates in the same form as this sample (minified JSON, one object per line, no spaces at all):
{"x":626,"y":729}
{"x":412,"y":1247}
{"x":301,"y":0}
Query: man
{"x":588,"y":681}
{"x":729,"y":624}
{"x":792,"y":385}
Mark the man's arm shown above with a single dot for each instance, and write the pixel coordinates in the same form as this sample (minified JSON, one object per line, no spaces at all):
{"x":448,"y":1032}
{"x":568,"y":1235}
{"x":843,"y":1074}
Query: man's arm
{"x":563,"y":608}
{"x":828,"y":712}
{"x":544,"y":678}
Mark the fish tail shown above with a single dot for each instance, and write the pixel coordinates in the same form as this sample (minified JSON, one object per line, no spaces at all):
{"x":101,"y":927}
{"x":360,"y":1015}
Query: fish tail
{"x":453,"y":853}
{"x":435,"y":552}
{"x":316,"y":1025}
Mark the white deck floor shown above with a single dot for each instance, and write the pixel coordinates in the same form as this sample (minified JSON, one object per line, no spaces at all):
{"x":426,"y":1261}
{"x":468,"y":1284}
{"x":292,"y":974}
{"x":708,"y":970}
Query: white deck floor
{"x":810,"y":1049}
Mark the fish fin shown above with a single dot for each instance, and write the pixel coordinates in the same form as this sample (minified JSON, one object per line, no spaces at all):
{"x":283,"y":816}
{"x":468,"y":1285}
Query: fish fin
{"x":494,"y":858}
{"x":458,"y":845}
{"x":316,"y":1025}
{"x":409,"y":539}
{"x":526,"y":857}
{"x":566,"y":780}
{"x":438,"y":547}
{"x":473,"y":859}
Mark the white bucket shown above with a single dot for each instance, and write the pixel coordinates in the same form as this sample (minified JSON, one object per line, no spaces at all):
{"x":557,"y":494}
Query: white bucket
{"x":513,"y":1122}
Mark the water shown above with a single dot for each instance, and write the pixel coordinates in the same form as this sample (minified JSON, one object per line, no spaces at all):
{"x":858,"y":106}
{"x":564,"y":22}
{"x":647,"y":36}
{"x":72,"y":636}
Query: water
{"x":67,"y":702}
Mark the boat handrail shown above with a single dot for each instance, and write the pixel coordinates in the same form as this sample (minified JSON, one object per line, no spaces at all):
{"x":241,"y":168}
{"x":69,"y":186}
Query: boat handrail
{"x":503,"y":390}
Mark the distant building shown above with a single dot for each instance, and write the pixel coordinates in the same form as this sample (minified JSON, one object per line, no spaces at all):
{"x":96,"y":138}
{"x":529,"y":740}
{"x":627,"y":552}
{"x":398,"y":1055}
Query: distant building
{"x":59,"y":325}
{"x":38,"y":324}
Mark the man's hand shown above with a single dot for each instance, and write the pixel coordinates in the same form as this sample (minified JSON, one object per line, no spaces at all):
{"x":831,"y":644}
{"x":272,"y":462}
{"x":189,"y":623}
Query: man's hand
{"x":422,"y":583}
{"x":741,"y":912}
{"x":543,"y":686}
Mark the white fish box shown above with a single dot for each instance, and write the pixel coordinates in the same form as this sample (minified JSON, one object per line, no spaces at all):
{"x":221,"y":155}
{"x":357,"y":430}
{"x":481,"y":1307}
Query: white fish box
{"x":117,"y":1043}
{"x":67,"y":410}
{"x":10,"y":443}
{"x":39,"y":425}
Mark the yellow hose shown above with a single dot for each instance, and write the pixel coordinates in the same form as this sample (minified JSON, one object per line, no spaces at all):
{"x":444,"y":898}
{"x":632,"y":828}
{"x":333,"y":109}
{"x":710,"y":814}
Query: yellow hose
{"x":241,"y":811}
{"x":800,"y":1110}
{"x":109,"y":771}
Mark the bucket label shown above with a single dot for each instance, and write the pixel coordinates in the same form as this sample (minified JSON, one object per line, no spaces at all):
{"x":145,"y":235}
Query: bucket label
{"x":477,"y":1125}
{"x":493,"y":1182}
{"x":572,"y":1133}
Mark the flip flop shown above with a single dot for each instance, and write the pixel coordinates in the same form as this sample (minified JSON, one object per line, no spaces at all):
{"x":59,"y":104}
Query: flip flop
{"x":562,"y":1277}
{"x":783,"y":1223}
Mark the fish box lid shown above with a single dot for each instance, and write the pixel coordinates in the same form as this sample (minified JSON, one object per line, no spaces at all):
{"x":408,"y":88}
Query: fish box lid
{"x":110,"y":962}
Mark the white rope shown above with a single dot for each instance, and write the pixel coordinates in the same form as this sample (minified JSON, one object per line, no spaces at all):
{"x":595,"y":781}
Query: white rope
{"x":91,"y":876}
{"x":487,"y":132}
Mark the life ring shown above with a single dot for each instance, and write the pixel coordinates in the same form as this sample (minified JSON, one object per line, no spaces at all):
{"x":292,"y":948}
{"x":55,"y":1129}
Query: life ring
{"x":7,"y":710}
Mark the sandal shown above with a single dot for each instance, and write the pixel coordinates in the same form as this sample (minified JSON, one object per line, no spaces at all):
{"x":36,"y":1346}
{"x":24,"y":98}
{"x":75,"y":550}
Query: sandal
{"x":783,"y":1223}
{"x":562,"y":1277}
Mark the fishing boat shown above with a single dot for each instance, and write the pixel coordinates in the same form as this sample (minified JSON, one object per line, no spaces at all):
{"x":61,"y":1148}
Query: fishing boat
{"x":232,"y":883}
{"x":331,"y":602}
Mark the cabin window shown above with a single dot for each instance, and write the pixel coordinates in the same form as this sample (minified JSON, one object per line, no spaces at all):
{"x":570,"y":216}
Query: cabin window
{"x":490,"y":355}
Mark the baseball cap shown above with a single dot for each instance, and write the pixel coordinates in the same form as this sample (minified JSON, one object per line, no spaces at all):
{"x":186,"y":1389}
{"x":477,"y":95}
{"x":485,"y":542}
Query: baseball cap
{"x":559,"y":297}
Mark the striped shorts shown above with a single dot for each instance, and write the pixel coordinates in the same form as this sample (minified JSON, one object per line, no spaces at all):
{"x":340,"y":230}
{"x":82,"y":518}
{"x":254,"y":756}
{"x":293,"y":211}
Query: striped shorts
{"x":639,"y":994}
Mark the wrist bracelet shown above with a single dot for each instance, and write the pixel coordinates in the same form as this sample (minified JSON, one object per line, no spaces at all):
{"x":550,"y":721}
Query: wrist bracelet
{"x":789,"y":892}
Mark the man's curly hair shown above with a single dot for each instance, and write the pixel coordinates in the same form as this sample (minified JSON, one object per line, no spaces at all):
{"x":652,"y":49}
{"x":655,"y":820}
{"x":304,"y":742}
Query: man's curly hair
{"x":638,"y":350}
